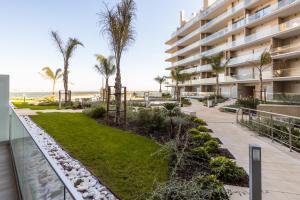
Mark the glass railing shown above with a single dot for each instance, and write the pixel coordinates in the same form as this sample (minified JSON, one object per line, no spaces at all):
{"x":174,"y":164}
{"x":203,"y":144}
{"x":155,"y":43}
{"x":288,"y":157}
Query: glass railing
{"x":286,"y":49}
{"x":187,"y":37}
{"x":198,"y":69}
{"x":287,"y":72}
{"x":187,"y":25}
{"x":187,"y":60}
{"x":253,"y":76}
{"x":39,"y":177}
{"x":224,"y":15}
{"x":186,"y":49}
{"x":245,"y":58}
{"x":213,"y":7}
{"x":214,"y":50}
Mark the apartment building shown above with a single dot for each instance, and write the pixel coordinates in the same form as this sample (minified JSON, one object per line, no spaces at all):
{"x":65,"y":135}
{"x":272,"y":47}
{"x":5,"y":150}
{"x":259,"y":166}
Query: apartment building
{"x":240,"y":30}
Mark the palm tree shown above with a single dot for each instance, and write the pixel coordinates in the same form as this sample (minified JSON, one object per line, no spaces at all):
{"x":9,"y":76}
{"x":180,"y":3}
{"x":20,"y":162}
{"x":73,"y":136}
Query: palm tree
{"x":54,"y":77}
{"x":160,"y":80}
{"x":178,"y":76}
{"x":67,"y":52}
{"x":107,"y":68}
{"x":217,"y":68}
{"x":117,"y":24}
{"x":264,"y":60}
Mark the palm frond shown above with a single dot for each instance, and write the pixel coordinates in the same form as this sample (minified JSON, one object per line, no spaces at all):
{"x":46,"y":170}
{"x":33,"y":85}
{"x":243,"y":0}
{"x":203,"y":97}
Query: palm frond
{"x":58,"y":41}
{"x":48,"y":73}
{"x":107,"y":67}
{"x":71,"y":46}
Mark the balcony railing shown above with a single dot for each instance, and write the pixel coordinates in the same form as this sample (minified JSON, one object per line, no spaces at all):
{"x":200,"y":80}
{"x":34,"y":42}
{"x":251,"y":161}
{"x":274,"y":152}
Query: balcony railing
{"x":187,"y":25}
{"x":253,"y":76}
{"x":213,"y":7}
{"x":39,"y":177}
{"x":186,"y":49}
{"x":187,"y":60}
{"x":245,"y":58}
{"x":198,"y":69}
{"x":286,"y":49}
{"x":288,"y":72}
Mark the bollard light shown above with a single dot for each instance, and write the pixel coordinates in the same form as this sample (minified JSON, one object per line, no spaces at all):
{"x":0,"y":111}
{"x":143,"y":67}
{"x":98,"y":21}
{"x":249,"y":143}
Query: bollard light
{"x":255,"y":172}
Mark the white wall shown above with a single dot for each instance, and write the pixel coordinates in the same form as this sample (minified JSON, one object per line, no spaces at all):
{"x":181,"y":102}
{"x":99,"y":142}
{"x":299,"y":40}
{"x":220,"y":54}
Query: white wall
{"x":4,"y":107}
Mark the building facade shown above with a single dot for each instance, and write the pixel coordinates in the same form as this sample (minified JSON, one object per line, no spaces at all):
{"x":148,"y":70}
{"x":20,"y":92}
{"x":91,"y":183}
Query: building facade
{"x":239,"y":30}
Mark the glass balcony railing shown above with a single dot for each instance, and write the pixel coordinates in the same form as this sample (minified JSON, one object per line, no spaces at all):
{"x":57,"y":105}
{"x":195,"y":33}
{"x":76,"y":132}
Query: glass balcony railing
{"x":198,"y":69}
{"x":186,"y":49}
{"x":224,"y":15}
{"x":253,"y":76}
{"x":187,"y":25}
{"x":187,"y":60}
{"x":214,"y":6}
{"x":245,"y":58}
{"x":214,"y":50}
{"x":187,"y":37}
{"x":287,"y":72}
{"x":38,"y":176}
{"x":291,"y":48}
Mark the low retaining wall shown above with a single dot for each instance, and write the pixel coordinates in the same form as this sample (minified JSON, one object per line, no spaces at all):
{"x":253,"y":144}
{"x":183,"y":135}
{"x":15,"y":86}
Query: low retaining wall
{"x":291,"y":110}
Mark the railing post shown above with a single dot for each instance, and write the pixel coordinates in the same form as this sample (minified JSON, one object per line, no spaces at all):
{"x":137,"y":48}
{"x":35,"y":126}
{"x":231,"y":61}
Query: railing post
{"x":290,"y":136}
{"x":258,"y":117}
{"x":271,"y":124}
{"x":65,"y":193}
{"x":10,"y":126}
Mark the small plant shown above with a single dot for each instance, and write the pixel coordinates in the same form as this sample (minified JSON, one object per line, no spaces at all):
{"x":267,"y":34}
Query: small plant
{"x":186,"y":102}
{"x":96,"y":112}
{"x":201,"y":153}
{"x":212,"y":146}
{"x":201,"y":138}
{"x":199,"y":121}
{"x":249,"y":102}
{"x":214,"y":188}
{"x":193,"y":131}
{"x":202,"y":128}
{"x":227,"y":170}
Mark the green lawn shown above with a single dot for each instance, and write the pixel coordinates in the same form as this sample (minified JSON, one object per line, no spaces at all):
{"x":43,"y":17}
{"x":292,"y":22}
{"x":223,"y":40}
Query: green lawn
{"x":122,"y":160}
{"x":33,"y":107}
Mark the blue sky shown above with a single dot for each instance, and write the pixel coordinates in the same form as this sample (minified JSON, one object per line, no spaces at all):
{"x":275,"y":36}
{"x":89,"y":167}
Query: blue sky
{"x":26,"y":46}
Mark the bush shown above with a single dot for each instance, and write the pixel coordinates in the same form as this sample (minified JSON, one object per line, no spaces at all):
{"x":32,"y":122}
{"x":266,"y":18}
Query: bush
{"x":151,"y":119}
{"x":76,"y":105}
{"x":214,"y":188}
{"x":166,"y":95}
{"x":185,"y":101}
{"x":212,"y":146}
{"x":227,"y":170}
{"x":95,"y":112}
{"x":202,"y":128}
{"x":200,"y":152}
{"x":248,"y":102}
{"x":201,"y":138}
{"x":199,"y":121}
{"x":49,"y":103}
{"x":193,"y":131}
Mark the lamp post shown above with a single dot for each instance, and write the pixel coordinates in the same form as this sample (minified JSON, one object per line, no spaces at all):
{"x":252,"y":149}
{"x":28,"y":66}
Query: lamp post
{"x":255,"y":172}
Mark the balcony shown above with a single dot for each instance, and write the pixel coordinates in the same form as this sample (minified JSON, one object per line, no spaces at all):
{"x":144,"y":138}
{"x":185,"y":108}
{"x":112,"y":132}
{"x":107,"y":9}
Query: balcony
{"x":187,"y":25}
{"x":261,"y":35}
{"x":185,"y":50}
{"x":287,"y":51}
{"x":250,"y":19}
{"x":217,"y":4}
{"x":37,"y":174}
{"x":252,"y":76}
{"x":187,"y":60}
{"x":244,"y":59}
{"x":198,"y":69}
{"x":290,"y":73}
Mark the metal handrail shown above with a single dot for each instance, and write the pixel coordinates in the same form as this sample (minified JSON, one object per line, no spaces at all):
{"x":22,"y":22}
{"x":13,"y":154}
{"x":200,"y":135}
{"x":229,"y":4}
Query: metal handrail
{"x":67,"y":183}
{"x":268,"y":120}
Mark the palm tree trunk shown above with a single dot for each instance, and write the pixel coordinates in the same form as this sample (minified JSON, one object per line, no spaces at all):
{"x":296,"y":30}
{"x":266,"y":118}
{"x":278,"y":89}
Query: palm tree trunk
{"x":160,"y":87}
{"x":66,"y":81}
{"x":118,"y":90}
{"x":105,"y":95}
{"x":53,"y":89}
{"x":260,"y":85}
{"x":177,"y":91}
{"x":217,"y":88}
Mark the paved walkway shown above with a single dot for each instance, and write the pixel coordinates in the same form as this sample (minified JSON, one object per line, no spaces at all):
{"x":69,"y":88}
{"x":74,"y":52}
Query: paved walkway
{"x":26,"y":111}
{"x":280,"y":168}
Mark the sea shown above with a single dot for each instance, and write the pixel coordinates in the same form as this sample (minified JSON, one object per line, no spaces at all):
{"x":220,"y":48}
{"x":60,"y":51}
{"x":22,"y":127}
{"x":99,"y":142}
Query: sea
{"x":38,"y":95}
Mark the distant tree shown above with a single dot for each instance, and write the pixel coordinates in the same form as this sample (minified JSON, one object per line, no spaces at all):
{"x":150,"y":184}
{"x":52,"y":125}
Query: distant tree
{"x":54,"y":77}
{"x":160,"y":80}
{"x":178,"y":76}
{"x":217,"y":68}
{"x":117,"y":24}
{"x":67,"y":52}
{"x":264,"y":60}
{"x":106,"y":68}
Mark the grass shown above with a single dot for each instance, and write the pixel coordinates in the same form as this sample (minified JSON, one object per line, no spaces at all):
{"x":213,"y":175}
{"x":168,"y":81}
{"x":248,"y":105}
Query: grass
{"x":122,"y":160}
{"x":33,"y":107}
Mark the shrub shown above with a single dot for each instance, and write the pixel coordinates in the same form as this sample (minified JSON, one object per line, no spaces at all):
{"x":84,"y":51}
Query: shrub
{"x":195,"y":189}
{"x":199,"y":121}
{"x":49,"y":103}
{"x":214,"y":188}
{"x":212,"y":146}
{"x":96,"y":112}
{"x":227,"y":170}
{"x":201,"y":153}
{"x":202,"y":128}
{"x":185,"y":101}
{"x":166,"y":95}
{"x":193,"y":131}
{"x":248,"y":102}
{"x":76,"y":105}
{"x":201,"y":138}
{"x":151,"y":119}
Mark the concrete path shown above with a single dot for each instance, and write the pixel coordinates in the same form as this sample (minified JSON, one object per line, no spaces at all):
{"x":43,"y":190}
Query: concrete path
{"x":34,"y":112}
{"x":280,"y":168}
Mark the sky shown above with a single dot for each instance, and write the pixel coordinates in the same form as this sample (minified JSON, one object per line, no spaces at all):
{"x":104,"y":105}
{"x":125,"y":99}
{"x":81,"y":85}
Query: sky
{"x":26,"y":45}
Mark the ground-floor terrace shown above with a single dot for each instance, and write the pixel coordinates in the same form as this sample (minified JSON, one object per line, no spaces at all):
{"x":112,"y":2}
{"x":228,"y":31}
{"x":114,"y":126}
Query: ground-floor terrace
{"x":277,"y":89}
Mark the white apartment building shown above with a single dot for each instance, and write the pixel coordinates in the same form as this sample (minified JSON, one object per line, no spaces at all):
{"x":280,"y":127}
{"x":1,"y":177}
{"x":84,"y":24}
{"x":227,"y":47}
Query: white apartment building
{"x":240,"y":30}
